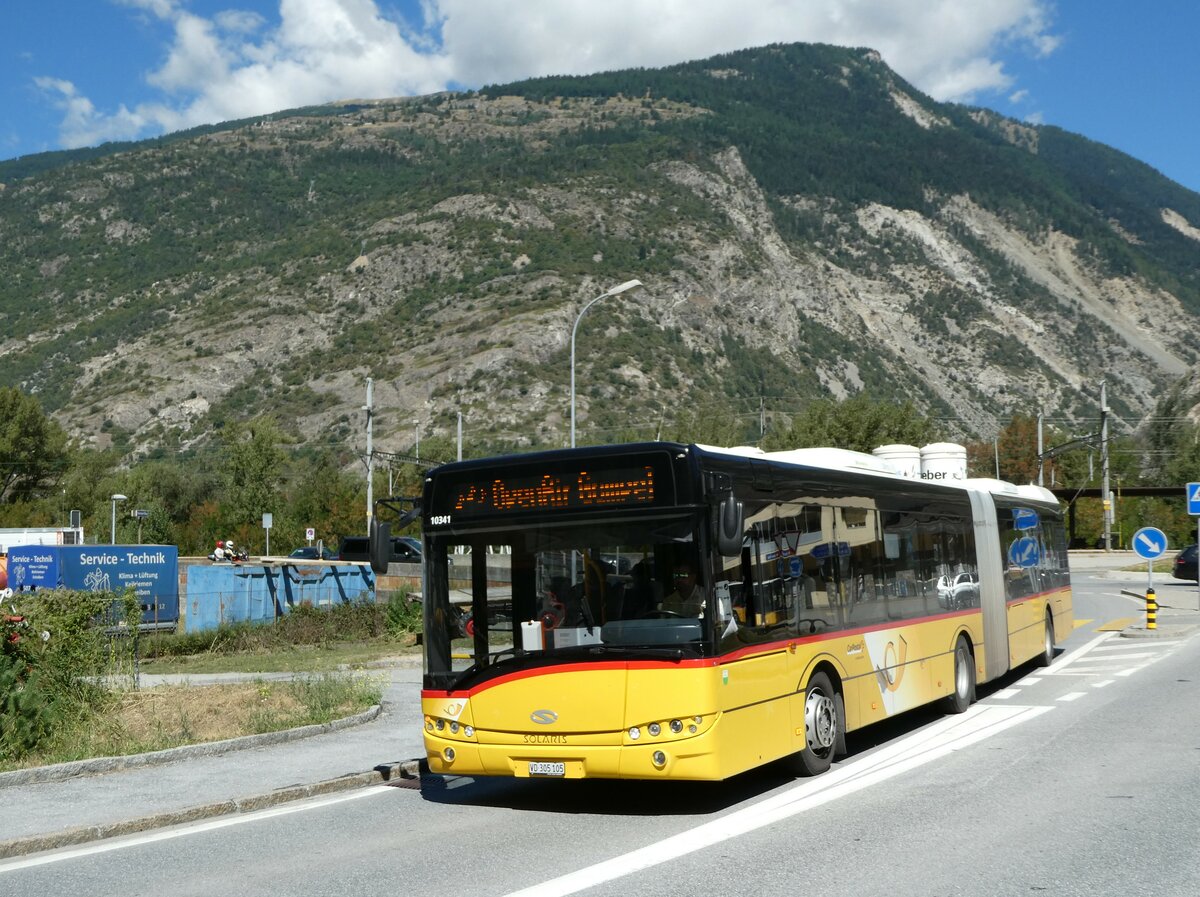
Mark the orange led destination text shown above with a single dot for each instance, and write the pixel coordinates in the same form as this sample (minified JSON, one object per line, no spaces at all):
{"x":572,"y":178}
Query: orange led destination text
{"x":553,"y":492}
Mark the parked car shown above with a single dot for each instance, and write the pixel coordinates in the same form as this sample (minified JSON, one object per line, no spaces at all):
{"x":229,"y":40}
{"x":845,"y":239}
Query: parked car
{"x":313,"y":553}
{"x":960,"y":591}
{"x":1185,"y":564}
{"x":405,"y":549}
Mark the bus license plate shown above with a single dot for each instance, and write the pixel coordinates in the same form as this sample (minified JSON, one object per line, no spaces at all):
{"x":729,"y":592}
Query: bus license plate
{"x":547,"y":769}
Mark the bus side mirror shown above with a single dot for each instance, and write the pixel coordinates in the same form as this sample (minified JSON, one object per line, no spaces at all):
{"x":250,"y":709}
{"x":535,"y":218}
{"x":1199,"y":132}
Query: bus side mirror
{"x":379,"y":539}
{"x":729,"y":525}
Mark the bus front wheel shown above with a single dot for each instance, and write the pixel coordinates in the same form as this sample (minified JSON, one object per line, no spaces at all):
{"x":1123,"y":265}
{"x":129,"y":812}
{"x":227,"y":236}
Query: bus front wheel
{"x":822,"y":726}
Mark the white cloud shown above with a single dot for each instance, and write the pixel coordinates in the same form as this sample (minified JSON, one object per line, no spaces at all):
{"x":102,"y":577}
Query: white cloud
{"x":82,"y":125}
{"x":238,"y":64}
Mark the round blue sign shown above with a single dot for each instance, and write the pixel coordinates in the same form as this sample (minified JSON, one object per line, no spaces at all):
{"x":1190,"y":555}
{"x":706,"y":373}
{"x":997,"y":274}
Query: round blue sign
{"x":1149,"y":543}
{"x":1024,"y":552}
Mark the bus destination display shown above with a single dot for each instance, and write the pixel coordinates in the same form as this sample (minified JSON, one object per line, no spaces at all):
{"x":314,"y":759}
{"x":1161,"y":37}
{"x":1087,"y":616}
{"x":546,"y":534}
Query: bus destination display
{"x":586,"y":486}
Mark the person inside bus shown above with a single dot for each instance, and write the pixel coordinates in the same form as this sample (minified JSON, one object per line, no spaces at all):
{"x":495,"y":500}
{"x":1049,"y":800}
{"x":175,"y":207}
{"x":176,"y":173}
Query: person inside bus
{"x":687,"y":599}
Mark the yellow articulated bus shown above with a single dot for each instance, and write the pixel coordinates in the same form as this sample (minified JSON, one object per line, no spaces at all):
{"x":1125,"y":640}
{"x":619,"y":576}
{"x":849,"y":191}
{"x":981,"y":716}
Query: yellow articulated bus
{"x":669,"y":611}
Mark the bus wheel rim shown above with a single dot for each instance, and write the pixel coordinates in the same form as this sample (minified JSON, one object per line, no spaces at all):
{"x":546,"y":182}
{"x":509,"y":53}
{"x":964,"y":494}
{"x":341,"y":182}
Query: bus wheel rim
{"x":820,"y":718}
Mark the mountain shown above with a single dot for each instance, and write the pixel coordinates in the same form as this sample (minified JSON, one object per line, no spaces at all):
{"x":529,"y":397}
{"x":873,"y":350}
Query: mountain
{"x":806,"y":223}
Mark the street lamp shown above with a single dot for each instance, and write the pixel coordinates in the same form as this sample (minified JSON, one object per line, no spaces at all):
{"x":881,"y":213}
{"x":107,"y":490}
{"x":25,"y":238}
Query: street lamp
{"x":417,"y":427}
{"x":615,"y":291}
{"x":116,"y":498}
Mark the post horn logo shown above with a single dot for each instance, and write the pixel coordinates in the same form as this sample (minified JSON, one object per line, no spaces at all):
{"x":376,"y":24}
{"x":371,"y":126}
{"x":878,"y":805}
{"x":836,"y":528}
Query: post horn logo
{"x":544,"y":717}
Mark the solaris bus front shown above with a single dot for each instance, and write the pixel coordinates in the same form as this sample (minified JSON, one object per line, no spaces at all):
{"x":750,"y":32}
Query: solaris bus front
{"x":569,"y":630}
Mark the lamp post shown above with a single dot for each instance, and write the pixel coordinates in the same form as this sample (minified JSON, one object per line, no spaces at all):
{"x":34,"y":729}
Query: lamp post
{"x":116,"y":498}
{"x":615,"y":291}
{"x":417,"y":428}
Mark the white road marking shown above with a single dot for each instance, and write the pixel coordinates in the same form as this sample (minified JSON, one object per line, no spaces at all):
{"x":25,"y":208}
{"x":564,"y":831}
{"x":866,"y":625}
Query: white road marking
{"x":936,"y":741}
{"x":181,"y":831}
{"x":1102,"y":683}
{"x":1071,"y":696}
{"x":1007,"y":693}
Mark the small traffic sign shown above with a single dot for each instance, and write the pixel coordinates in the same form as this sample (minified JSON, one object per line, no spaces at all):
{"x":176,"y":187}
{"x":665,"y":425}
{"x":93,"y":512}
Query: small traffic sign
{"x":1024,"y":552}
{"x":1193,"y":498}
{"x":310,"y":534}
{"x":1024,"y":518}
{"x":1149,"y":543}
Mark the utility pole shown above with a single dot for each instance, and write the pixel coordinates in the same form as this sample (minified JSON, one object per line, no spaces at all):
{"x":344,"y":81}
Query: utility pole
{"x":460,"y":436}
{"x":369,"y":408}
{"x":1106,"y":500}
{"x":1041,"y":448}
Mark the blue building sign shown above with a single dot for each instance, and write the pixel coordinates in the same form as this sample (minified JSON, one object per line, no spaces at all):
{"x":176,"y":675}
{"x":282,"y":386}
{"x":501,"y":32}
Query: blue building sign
{"x":152,"y":571}
{"x":33,"y":567}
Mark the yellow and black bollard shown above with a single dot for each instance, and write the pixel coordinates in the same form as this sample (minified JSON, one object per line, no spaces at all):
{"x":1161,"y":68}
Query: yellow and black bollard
{"x":1151,"y":610}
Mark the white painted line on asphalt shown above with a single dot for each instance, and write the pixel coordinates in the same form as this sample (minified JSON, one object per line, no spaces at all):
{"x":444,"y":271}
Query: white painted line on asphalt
{"x":1031,"y":680}
{"x":1067,"y":660}
{"x":1007,"y":693}
{"x":1114,"y":653}
{"x":1130,"y":672}
{"x":944,"y":737}
{"x":1103,"y":683}
{"x":1071,"y":696}
{"x":72,"y":853}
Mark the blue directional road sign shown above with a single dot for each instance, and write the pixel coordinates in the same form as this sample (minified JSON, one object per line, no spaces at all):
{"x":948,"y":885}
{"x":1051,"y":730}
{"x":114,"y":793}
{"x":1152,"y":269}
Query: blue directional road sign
{"x":1024,"y":518}
{"x":1149,"y":543}
{"x":1193,"y":495}
{"x":1024,"y":552}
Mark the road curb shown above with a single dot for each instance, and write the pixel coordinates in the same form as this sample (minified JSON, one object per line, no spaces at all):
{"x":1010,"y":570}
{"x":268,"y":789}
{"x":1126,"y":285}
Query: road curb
{"x":380,"y":775}
{"x":38,"y":775}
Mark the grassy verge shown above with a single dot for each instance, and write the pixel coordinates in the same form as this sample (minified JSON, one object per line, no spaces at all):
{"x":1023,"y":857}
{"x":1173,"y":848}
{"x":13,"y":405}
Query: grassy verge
{"x":293,"y":659}
{"x":67,"y":661}
{"x":132,"y":722}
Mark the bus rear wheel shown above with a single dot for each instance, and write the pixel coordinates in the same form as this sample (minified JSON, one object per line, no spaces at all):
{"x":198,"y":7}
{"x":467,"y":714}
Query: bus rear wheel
{"x":822,"y":726}
{"x":964,"y":679}
{"x":1046,"y":657}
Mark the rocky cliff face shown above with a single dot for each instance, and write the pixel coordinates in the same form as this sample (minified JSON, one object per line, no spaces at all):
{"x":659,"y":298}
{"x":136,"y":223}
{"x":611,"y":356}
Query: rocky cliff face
{"x":444,"y":246}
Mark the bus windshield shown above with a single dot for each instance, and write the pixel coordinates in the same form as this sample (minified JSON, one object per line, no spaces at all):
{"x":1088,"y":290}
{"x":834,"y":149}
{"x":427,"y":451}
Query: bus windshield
{"x":555,"y":592}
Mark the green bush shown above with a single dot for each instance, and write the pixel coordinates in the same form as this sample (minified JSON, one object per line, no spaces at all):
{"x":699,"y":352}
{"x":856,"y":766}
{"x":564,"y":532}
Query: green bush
{"x":403,"y":614}
{"x":58,"y":647}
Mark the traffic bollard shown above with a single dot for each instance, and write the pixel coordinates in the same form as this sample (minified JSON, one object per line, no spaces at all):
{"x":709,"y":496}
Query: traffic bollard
{"x":1151,"y":610}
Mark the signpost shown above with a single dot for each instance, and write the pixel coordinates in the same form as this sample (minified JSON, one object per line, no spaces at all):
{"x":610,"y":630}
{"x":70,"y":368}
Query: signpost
{"x":1193,"y":503}
{"x":1149,"y":543}
{"x":267,"y":521}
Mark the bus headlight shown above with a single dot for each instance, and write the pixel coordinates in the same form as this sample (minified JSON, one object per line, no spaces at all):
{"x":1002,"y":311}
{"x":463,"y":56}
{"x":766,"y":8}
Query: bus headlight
{"x":654,"y":729}
{"x":659,"y":759}
{"x":677,"y":726}
{"x":634,"y":733}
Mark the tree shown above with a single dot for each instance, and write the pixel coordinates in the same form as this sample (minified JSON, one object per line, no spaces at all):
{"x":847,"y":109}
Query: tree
{"x":33,"y":448}
{"x":858,"y":423}
{"x":253,"y":472}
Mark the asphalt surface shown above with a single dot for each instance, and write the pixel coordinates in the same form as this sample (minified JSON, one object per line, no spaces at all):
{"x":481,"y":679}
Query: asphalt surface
{"x":50,"y":807}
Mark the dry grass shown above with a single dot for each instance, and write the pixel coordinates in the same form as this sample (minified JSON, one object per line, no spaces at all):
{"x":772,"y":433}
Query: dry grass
{"x":192,"y":714}
{"x":152,"y":719}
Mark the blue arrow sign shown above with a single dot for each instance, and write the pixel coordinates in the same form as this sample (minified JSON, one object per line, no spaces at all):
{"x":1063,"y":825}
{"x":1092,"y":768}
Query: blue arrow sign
{"x":1193,"y":497}
{"x":1024,"y":518}
{"x":1024,"y":552}
{"x":1149,"y":543}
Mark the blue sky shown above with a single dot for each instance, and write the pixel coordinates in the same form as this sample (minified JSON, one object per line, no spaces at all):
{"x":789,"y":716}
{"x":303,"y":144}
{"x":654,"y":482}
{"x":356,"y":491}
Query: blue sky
{"x":78,"y":72}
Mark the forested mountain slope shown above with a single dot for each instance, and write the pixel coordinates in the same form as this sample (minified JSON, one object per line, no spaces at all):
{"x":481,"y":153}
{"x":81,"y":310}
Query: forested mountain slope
{"x":806,"y":224}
